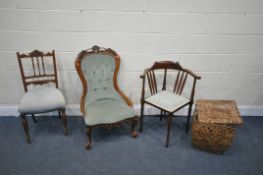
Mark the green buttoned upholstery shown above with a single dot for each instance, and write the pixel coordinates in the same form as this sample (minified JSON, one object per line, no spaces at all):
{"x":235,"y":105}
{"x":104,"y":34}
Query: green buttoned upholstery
{"x":103,"y":104}
{"x":98,"y":70}
{"x":44,"y":99}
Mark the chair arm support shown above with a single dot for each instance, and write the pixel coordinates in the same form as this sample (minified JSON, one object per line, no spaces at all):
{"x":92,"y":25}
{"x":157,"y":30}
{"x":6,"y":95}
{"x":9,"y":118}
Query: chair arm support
{"x":193,"y":90}
{"x":143,"y":83}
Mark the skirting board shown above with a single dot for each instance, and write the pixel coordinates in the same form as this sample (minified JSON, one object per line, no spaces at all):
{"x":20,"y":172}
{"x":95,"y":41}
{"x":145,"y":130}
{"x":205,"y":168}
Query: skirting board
{"x":73,"y":110}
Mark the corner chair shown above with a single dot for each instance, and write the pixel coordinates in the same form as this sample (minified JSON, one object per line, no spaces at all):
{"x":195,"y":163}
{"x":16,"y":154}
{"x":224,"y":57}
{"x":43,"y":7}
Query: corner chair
{"x":166,"y":91}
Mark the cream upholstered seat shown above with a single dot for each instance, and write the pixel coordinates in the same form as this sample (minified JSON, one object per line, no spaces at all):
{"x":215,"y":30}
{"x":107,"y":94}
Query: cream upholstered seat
{"x":166,"y":82}
{"x":167,"y":100}
{"x":40,"y":100}
{"x":102,"y":102}
{"x":38,"y":71}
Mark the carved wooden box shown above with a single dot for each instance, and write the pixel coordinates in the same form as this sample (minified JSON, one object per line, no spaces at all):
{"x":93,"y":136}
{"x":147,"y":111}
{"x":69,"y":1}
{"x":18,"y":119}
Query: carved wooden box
{"x":214,"y":124}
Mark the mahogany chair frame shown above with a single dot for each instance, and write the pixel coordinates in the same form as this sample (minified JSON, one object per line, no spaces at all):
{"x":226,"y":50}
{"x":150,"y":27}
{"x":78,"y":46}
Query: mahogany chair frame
{"x":179,"y":85}
{"x":39,"y":77}
{"x":100,"y":50}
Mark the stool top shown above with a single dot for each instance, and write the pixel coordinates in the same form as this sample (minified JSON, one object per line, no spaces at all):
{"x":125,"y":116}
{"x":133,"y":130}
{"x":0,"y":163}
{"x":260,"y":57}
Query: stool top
{"x":218,"y":112}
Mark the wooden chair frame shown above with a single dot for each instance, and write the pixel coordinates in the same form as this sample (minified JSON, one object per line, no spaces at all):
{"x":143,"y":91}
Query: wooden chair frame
{"x":178,"y":89}
{"x":99,"y":50}
{"x":39,"y":77}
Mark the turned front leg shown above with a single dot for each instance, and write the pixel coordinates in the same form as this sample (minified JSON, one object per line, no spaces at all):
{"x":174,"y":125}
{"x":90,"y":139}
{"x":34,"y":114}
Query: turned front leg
{"x":169,"y":125}
{"x":134,"y":133}
{"x":25,"y":127}
{"x":64,"y":119}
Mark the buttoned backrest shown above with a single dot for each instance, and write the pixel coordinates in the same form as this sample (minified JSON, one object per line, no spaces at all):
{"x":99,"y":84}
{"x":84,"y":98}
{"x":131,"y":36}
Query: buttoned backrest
{"x":99,"y":70}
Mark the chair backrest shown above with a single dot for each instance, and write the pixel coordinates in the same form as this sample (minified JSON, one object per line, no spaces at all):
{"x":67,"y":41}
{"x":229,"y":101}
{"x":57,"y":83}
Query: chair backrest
{"x":180,"y":78}
{"x":37,"y":68}
{"x":98,"y":69}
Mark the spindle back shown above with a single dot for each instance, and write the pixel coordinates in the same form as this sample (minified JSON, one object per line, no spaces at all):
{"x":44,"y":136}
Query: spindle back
{"x":179,"y":77}
{"x":37,"y":68}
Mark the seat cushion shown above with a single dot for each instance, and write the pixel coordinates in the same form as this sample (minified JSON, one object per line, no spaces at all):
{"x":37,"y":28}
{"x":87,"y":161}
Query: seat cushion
{"x":44,"y":99}
{"x":106,"y":111}
{"x":167,"y":100}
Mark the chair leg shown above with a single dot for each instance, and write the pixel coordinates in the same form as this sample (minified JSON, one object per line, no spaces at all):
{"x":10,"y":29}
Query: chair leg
{"x":34,"y":118}
{"x":89,"y":134}
{"x":25,"y":127}
{"x":142,"y":115}
{"x":59,"y":114}
{"x":64,"y":119}
{"x":134,"y":133}
{"x":169,"y":125}
{"x":188,"y":118}
{"x":161,"y":115}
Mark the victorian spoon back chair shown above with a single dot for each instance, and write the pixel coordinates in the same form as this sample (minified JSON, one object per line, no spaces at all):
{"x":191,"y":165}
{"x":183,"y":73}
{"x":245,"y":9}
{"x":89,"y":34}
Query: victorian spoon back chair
{"x":102,"y":103}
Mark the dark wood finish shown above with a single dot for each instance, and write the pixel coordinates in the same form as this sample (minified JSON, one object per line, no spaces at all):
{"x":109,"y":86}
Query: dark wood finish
{"x":64,"y":119}
{"x":188,"y":117}
{"x":34,"y":118}
{"x":84,"y":55}
{"x":179,"y":85}
{"x":169,"y":125}
{"x":59,"y":114}
{"x":134,"y":133}
{"x":39,"y":76}
{"x":142,"y":98}
{"x":89,"y":134}
{"x":25,"y":127}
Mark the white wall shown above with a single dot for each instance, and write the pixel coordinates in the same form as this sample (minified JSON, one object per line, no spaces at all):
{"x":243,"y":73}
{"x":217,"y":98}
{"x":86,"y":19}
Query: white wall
{"x":222,"y":40}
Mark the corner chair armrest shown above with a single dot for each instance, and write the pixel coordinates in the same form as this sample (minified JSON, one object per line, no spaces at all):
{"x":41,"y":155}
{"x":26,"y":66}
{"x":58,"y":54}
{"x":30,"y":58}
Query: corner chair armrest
{"x":142,"y":76}
{"x":197,"y":77}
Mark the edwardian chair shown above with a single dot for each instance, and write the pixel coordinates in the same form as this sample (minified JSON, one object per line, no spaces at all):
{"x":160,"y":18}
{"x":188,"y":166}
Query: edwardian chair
{"x":38,"y":71}
{"x":102,"y":102}
{"x":168,"y":97}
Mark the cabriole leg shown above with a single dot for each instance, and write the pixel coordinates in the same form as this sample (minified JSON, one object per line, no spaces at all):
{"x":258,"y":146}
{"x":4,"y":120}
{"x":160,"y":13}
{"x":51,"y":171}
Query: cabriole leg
{"x":89,"y":134}
{"x":134,"y":133}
